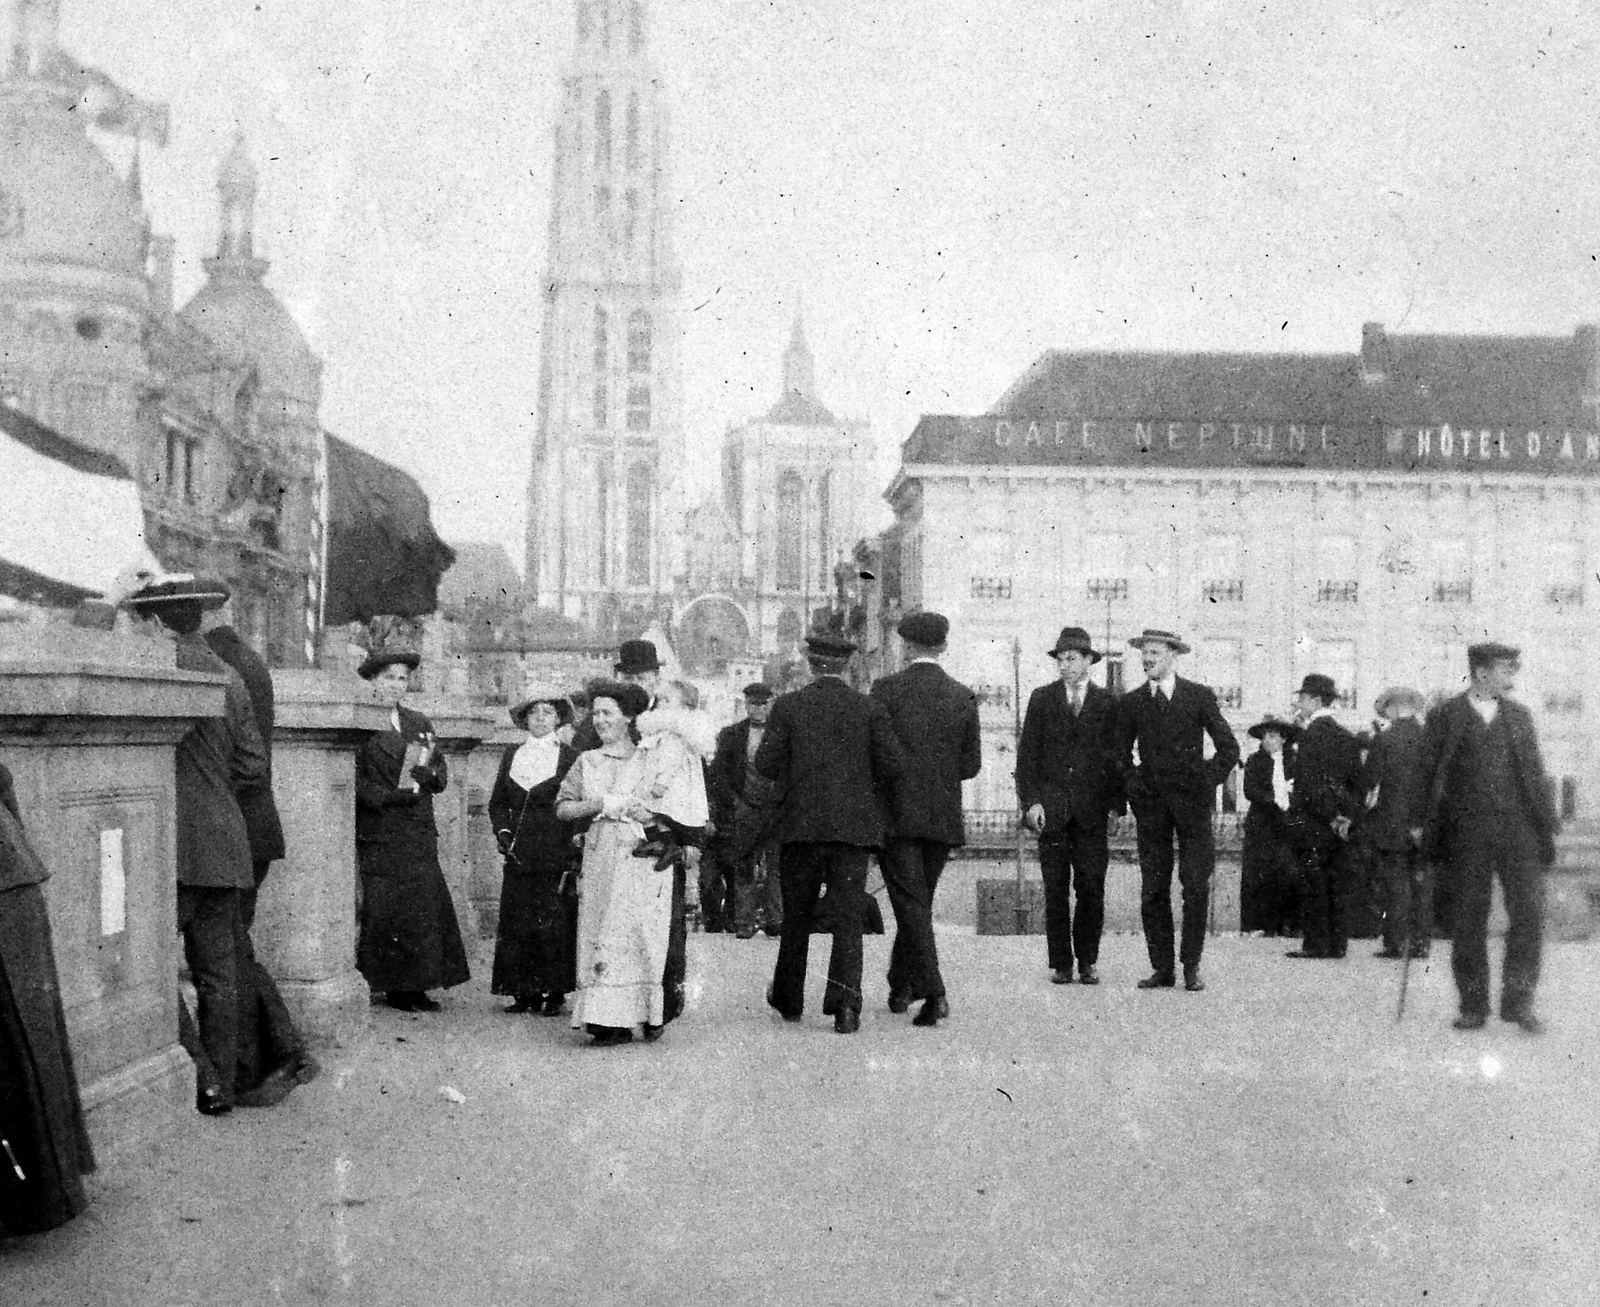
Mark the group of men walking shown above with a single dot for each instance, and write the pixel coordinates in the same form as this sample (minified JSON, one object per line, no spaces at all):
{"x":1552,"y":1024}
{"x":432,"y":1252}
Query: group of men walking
{"x":850,"y":773}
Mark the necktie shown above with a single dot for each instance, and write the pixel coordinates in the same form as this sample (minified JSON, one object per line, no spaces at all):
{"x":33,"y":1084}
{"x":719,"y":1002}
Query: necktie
{"x":1076,"y":702}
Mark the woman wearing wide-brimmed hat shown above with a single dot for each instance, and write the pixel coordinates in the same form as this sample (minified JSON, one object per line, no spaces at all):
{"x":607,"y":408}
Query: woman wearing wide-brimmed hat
{"x":410,"y":941}
{"x":1269,"y":891}
{"x":535,"y":945}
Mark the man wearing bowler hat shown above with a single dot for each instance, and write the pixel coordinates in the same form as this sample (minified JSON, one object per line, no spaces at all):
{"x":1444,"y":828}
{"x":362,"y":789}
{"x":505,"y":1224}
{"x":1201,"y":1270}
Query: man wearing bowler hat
{"x":935,"y":719}
{"x":1067,"y":784}
{"x":1327,"y":800}
{"x":1485,"y":808}
{"x":218,"y":759}
{"x":1172,"y":791}
{"x":828,"y":752}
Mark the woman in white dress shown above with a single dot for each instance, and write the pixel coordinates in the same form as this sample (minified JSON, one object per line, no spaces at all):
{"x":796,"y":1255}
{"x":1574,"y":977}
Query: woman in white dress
{"x":625,"y":903}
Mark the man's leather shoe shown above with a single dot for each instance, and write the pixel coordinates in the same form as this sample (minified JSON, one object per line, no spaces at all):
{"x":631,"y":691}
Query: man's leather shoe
{"x":1061,"y":976}
{"x":209,"y":1100}
{"x":422,"y":1003}
{"x":899,"y":1000}
{"x":524,"y":1003}
{"x":1192,"y":981}
{"x":1306,"y":953}
{"x":846,"y":1021}
{"x":1470,"y":1021}
{"x":782,"y":1012}
{"x":275,"y":1086}
{"x":1157,"y":980}
{"x":1526,"y":1020}
{"x":933,"y":1011}
{"x":1088,"y":976}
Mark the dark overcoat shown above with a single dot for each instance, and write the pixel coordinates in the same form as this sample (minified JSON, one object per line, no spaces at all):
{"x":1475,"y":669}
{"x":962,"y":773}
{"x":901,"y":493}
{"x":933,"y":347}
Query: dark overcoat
{"x":935,"y":719}
{"x":259,"y":807}
{"x":410,"y":939}
{"x":218,"y":760}
{"x":535,"y":950}
{"x":1171,"y":740}
{"x":727,"y":771}
{"x":1394,"y":767}
{"x":1327,"y":784}
{"x":831,"y":755}
{"x":1068,"y":764}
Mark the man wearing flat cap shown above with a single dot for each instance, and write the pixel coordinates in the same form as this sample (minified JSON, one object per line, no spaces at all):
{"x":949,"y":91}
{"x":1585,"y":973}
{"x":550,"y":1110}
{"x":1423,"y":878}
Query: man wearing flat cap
{"x":1067,"y":785}
{"x":739,"y":887}
{"x":1327,"y":800}
{"x":829,"y":752}
{"x":217,"y":760}
{"x":1391,"y":777}
{"x":935,"y":719}
{"x":1172,"y":792}
{"x":1485,"y":808}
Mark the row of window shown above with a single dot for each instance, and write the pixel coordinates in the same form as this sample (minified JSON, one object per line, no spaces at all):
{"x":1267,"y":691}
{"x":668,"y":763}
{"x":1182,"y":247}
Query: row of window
{"x":603,"y":20}
{"x":790,"y":544}
{"x":632,"y":144}
{"x":637,"y":414}
{"x":627,"y":233}
{"x":638,"y":496}
{"x":1113,"y":589}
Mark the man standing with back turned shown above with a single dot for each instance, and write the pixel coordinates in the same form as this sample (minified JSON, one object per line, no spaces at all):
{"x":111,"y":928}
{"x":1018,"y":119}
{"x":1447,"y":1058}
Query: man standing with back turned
{"x":1485,"y":809}
{"x":829,"y":751}
{"x":935,"y":718}
{"x":1171,"y":792}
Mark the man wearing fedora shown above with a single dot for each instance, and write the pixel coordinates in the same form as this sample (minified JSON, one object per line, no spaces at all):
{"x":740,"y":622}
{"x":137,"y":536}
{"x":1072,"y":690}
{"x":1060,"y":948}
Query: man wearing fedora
{"x":1391,"y":777}
{"x":1485,"y":808}
{"x":935,"y":719}
{"x":1172,"y":791}
{"x":218,"y":759}
{"x":829,"y":753}
{"x":1067,"y":784}
{"x":1327,"y":800}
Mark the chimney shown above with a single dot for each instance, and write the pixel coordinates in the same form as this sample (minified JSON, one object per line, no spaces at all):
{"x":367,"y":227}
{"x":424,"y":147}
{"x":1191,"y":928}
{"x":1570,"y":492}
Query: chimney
{"x":1587,"y":339}
{"x":1374,"y":354}
{"x":162,"y":254}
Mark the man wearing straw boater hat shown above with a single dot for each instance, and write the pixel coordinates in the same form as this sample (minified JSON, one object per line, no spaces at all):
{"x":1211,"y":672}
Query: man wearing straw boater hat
{"x":935,"y":718}
{"x":1067,"y":784}
{"x":219,"y":758}
{"x":1172,"y":790}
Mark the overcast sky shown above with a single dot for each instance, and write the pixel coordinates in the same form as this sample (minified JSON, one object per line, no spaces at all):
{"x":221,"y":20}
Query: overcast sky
{"x":955,"y":185}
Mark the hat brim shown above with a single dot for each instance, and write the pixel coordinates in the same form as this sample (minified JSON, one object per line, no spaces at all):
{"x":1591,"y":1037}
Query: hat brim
{"x":375,"y":663}
{"x":519,"y":712}
{"x":1093,"y":655}
{"x":206,"y":600}
{"x":1288,"y":730}
{"x":1177,"y":646}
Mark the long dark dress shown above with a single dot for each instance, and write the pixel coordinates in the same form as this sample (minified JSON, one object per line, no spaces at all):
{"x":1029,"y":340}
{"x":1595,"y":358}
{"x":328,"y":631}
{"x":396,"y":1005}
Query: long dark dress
{"x":1269,"y":885}
{"x":41,"y":1114}
{"x":409,"y":940}
{"x":536,"y":943}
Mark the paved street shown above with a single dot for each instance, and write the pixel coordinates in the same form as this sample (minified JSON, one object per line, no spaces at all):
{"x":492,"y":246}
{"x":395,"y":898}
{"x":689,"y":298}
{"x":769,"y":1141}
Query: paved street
{"x":1276,"y":1140}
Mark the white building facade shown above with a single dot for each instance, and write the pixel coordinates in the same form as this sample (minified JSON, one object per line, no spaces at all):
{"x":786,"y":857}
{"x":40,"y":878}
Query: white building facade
{"x":1366,"y":516}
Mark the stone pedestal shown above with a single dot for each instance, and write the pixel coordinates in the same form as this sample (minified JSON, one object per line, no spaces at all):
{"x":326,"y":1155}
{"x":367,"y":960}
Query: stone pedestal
{"x":305,"y":930}
{"x":460,"y":732}
{"x":88,"y":723}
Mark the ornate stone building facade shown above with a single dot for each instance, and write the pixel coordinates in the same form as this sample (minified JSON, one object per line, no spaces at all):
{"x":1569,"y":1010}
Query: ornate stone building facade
{"x":1364,"y":515}
{"x":602,"y":506}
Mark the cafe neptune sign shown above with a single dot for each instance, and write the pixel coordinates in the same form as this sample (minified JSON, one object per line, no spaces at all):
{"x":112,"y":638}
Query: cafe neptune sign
{"x":1374,"y":446}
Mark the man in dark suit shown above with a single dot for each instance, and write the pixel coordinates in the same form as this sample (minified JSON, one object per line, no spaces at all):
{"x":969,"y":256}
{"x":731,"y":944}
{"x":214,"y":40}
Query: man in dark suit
{"x":272,"y":1053}
{"x":1067,"y":783}
{"x":1485,"y":808}
{"x":218,"y":759}
{"x":829,"y":752}
{"x":1327,"y":800}
{"x":935,"y":719}
{"x":732,"y":889}
{"x":1391,"y":777}
{"x":1172,"y":791}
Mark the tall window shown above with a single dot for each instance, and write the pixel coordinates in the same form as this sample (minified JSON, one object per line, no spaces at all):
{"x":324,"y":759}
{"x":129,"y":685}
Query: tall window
{"x":1105,"y":565}
{"x":824,"y":528}
{"x":602,"y":364}
{"x":640,"y":488}
{"x":1221,"y":666}
{"x":639,"y":406}
{"x":602,"y":413}
{"x":788,"y":630}
{"x":602,"y":210}
{"x":1452,"y":570}
{"x":583,"y":21}
{"x":1221,"y":577}
{"x":1564,"y":573}
{"x":633,"y":132}
{"x":1334,"y":568}
{"x":989,"y":554}
{"x":639,"y":342}
{"x":603,"y":518}
{"x":630,"y":217}
{"x":791,"y":522}
{"x":602,"y":130}
{"x":635,"y":26}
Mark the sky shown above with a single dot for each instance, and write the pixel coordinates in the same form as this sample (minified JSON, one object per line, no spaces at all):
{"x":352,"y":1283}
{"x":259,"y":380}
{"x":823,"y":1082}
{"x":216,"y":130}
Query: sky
{"x":948,"y":187}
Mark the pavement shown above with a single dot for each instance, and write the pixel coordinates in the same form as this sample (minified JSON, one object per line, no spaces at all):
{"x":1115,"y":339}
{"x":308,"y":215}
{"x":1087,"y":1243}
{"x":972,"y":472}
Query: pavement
{"x":1278,"y":1139}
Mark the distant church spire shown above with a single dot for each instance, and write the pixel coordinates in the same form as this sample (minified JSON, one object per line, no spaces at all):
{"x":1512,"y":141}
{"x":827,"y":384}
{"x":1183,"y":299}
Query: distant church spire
{"x":799,"y":368}
{"x":236,"y":195}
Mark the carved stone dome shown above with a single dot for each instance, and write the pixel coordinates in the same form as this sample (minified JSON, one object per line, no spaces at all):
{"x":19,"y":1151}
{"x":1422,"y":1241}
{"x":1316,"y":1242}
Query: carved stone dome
{"x":248,"y":324}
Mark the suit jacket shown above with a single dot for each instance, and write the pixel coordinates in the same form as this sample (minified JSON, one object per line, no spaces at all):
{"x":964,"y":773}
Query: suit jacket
{"x":831,"y":755}
{"x":1327,"y":784}
{"x":259,"y":807}
{"x":1069,"y":764}
{"x":1394,"y":766}
{"x":1172,"y":762}
{"x":386,"y":814}
{"x":1441,"y":740}
{"x":935,"y":719}
{"x":219,"y":758}
{"x":726,"y":773}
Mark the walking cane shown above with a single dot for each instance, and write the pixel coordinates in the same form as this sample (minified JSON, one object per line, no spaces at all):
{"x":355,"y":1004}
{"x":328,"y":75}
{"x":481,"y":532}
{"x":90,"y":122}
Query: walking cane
{"x":1405,"y":941}
{"x":1016,"y":744}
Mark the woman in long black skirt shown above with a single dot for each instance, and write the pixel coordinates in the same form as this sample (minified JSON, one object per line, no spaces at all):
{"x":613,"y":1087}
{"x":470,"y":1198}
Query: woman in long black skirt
{"x":410,"y":941}
{"x":536,"y":942}
{"x":1268,"y":893}
{"x":44,"y":1144}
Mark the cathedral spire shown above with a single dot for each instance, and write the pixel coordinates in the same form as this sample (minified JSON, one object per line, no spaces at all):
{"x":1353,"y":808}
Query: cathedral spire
{"x":799,"y":369}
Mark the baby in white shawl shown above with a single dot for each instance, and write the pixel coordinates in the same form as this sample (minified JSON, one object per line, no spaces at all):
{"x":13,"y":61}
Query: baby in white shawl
{"x":678,"y":737}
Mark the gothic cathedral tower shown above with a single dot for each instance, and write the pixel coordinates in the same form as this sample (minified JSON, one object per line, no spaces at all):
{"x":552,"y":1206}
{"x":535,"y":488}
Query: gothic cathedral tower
{"x":607,"y":451}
